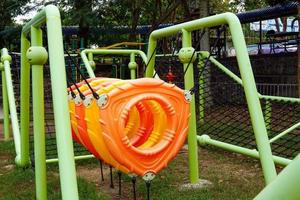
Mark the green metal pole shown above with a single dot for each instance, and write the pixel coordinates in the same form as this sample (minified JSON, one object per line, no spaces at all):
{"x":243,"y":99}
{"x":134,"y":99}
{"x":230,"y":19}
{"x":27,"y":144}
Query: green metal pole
{"x":201,"y":89}
{"x":6,"y":59}
{"x":206,"y":140}
{"x":67,"y":170}
{"x":24,"y":103}
{"x":283,"y":133}
{"x":285,"y":186}
{"x":132,"y":65}
{"x":192,"y":132}
{"x":38,"y":119}
{"x":268,"y":114}
{"x":252,"y":97}
{"x":6,"y":123}
{"x":84,"y":157}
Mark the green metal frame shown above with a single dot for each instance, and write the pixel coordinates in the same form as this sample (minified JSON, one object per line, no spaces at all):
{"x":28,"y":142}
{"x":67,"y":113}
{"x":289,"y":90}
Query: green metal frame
{"x":204,"y":139}
{"x":6,"y":123}
{"x":131,"y":52}
{"x":248,"y":81}
{"x":285,"y":186}
{"x":51,"y":17}
{"x":8,"y":87}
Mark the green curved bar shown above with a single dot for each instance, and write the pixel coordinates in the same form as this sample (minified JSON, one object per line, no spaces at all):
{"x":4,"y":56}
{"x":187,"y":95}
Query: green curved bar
{"x":85,"y":52}
{"x":247,"y":77}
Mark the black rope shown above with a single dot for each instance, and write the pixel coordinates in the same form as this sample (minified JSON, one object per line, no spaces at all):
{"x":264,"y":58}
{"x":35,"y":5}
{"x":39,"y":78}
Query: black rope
{"x":197,"y":46}
{"x":196,"y":85}
{"x":81,"y":95}
{"x":96,"y":96}
{"x":43,"y":28}
{"x":152,"y":54}
{"x":71,"y":90}
{"x":173,"y":51}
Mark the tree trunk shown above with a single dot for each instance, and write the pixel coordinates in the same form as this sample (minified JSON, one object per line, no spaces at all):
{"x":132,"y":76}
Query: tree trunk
{"x":136,"y":11}
{"x":204,"y":12}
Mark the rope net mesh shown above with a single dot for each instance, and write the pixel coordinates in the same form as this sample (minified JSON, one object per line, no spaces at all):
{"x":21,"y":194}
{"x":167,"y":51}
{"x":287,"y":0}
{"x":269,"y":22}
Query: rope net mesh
{"x":222,"y":111}
{"x":51,"y":148}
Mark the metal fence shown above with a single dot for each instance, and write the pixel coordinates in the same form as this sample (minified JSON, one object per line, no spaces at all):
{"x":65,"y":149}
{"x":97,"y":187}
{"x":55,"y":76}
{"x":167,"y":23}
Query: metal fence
{"x":286,"y":90}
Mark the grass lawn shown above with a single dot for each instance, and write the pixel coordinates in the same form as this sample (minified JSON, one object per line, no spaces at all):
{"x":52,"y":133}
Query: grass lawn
{"x":233,"y":177}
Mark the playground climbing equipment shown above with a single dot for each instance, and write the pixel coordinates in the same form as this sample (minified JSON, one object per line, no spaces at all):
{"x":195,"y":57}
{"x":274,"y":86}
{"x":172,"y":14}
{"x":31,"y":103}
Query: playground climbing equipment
{"x":105,"y":124}
{"x":125,"y":138}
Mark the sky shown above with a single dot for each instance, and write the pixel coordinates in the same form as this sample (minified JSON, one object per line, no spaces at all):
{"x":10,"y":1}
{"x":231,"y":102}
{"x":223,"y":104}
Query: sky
{"x":20,"y":18}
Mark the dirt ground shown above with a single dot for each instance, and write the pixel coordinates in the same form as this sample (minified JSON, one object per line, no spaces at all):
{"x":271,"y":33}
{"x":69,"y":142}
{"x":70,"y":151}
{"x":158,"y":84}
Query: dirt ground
{"x":225,"y":168}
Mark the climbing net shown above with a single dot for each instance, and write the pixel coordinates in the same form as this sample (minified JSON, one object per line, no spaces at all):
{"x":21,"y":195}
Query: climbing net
{"x":223,"y":113}
{"x":51,"y":148}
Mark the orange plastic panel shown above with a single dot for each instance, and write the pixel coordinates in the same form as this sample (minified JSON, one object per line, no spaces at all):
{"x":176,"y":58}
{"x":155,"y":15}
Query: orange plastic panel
{"x":114,"y":114}
{"x":141,"y":127}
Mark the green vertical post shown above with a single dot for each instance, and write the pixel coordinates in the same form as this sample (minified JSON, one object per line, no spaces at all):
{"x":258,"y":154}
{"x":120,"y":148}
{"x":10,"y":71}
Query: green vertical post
{"x":132,"y":65}
{"x":268,"y":114}
{"x":6,"y":60}
{"x":255,"y":111}
{"x":6,"y":123}
{"x":201,"y":63}
{"x":67,"y":170}
{"x":90,"y":56}
{"x":38,"y":118}
{"x":192,"y":132}
{"x":91,"y":61}
{"x":24,"y":102}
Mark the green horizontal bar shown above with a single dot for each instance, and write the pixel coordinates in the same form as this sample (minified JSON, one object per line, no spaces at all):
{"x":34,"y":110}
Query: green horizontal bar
{"x":205,"y":139}
{"x":283,"y":133}
{"x":55,"y":160}
{"x":225,"y":70}
{"x":277,"y":98}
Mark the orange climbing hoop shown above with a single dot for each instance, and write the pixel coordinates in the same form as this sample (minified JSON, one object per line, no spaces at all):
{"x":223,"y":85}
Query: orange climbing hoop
{"x":137,"y":126}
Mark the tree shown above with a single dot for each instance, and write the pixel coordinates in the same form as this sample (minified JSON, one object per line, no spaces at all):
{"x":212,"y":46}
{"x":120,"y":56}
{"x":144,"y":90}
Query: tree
{"x":8,"y":10}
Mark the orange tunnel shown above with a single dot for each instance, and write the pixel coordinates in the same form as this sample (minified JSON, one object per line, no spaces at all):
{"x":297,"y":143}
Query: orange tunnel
{"x":137,"y":126}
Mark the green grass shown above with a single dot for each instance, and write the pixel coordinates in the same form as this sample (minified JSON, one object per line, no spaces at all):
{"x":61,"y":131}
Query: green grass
{"x":227,"y":183}
{"x":233,"y":177}
{"x":18,"y":184}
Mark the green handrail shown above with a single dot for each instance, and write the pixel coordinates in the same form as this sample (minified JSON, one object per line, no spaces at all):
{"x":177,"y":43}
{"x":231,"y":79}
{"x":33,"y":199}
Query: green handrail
{"x":247,"y":77}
